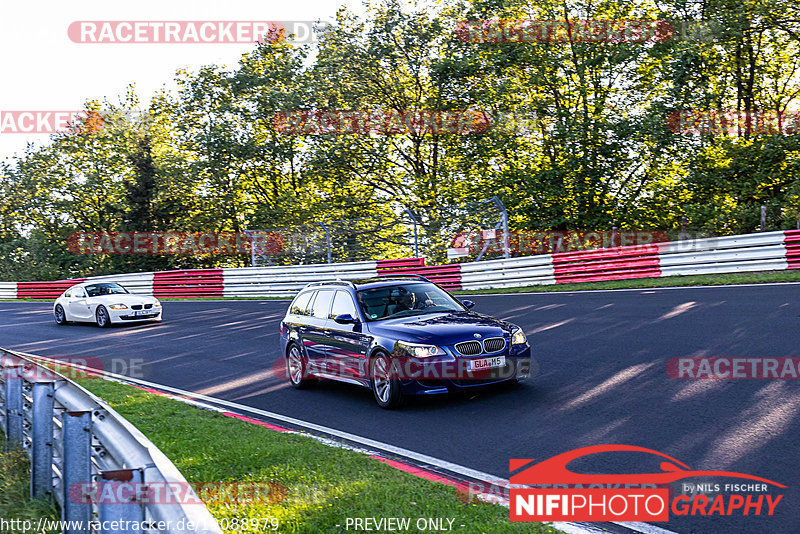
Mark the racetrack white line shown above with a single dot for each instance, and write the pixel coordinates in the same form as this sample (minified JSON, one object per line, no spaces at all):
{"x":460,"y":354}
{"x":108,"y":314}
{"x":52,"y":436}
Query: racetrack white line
{"x":577,"y":291}
{"x":568,"y":528}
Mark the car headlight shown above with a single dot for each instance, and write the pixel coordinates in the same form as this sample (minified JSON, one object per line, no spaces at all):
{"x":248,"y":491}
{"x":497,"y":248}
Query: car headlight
{"x":418,"y":350}
{"x":518,"y":337}
{"x":118,"y":307}
{"x":157,"y":304}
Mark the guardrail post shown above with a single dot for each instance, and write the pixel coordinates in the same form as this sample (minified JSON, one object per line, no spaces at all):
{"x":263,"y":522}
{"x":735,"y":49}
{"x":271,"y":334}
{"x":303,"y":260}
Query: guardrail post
{"x":503,"y":224}
{"x":763,"y":218}
{"x":413,"y":217}
{"x":77,"y":438}
{"x":327,"y":240}
{"x":42,"y":443}
{"x":130,"y":510}
{"x":13,"y":393}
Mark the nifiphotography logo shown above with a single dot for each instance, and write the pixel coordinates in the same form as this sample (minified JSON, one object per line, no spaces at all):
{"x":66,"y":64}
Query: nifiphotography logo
{"x":629,"y":497}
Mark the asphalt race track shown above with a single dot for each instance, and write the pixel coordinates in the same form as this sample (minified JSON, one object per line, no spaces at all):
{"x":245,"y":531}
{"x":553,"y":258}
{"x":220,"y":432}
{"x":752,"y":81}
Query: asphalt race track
{"x":603,"y":380}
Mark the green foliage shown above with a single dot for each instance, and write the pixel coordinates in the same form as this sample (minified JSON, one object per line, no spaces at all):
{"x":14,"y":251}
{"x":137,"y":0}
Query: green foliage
{"x":580,"y":137}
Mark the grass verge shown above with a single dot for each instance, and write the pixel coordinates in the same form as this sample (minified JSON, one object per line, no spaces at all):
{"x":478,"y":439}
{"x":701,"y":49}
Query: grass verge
{"x":323,"y":485}
{"x":15,"y":501}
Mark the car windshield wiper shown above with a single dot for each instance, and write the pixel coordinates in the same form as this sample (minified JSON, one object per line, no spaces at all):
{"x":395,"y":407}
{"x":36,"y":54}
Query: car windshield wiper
{"x":422,"y":311}
{"x":406,"y":313}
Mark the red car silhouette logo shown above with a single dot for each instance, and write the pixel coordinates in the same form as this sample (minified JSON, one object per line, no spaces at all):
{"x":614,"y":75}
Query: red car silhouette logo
{"x":554,"y":470}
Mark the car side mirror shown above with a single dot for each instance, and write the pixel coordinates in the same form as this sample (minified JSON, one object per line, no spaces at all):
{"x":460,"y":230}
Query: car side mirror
{"x":468,"y":303}
{"x":345,"y":318}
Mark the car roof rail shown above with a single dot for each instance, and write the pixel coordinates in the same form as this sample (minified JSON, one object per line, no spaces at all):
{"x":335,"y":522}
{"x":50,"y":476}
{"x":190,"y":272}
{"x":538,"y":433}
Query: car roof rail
{"x":332,"y":282}
{"x":389,"y":277}
{"x":417,"y":276}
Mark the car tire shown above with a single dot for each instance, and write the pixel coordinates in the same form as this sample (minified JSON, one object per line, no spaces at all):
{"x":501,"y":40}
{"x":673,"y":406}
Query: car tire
{"x":385,"y":389}
{"x":60,"y":315}
{"x":101,"y":317}
{"x":296,"y":368}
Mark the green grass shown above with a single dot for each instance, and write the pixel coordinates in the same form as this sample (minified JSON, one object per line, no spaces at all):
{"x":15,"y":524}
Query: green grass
{"x":759,"y":277}
{"x":15,"y":502}
{"x":324,"y":485}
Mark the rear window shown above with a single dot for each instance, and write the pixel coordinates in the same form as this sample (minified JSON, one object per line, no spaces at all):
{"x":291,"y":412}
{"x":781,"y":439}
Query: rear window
{"x":299,"y":305}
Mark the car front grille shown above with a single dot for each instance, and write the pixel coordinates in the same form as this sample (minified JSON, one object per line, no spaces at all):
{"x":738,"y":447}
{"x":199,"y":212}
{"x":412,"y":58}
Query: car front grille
{"x":473,"y":348}
{"x":469,"y":348}
{"x":494,"y":344}
{"x":136,"y":306}
{"x":148,"y":306}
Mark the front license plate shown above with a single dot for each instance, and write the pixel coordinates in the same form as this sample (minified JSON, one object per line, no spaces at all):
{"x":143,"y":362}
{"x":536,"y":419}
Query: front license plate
{"x":486,"y":363}
{"x":142,"y":312}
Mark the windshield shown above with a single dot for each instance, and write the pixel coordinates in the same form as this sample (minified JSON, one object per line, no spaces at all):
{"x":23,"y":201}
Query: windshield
{"x":406,"y":299}
{"x":107,"y":288}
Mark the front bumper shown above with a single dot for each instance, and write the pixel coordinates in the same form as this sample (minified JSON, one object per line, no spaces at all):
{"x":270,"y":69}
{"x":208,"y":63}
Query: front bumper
{"x":125,"y":316}
{"x":449,"y":373}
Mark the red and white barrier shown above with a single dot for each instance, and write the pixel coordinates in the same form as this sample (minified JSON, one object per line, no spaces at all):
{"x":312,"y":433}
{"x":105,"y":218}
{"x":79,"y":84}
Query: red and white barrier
{"x":191,"y":283}
{"x":768,"y":251}
{"x":45,"y":290}
{"x":513,"y":272}
{"x":639,"y":261}
{"x":138,"y":283}
{"x":447,"y":276}
{"x":285,"y":281}
{"x":8,"y":290}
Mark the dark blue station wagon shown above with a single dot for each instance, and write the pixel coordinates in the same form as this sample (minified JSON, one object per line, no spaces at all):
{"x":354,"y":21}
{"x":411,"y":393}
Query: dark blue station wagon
{"x":398,"y":337}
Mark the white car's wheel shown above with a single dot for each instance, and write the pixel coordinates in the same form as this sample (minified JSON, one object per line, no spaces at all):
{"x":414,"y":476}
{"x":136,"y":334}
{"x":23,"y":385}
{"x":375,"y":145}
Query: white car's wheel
{"x":60,"y":315}
{"x":101,"y":317}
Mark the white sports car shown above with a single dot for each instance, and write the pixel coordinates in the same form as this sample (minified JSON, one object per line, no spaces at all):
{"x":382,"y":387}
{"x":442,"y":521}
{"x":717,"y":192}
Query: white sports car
{"x":104,"y":303}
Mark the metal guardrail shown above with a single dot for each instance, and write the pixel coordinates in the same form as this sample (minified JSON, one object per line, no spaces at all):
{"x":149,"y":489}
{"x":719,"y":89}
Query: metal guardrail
{"x":286,"y":281}
{"x":8,"y":290}
{"x":74,"y":439}
{"x":766,"y":251}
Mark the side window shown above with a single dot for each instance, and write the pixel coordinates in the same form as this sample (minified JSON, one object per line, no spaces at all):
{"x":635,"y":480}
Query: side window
{"x":300,"y":303}
{"x":343,"y":303}
{"x":322,"y":304}
{"x":78,"y":292}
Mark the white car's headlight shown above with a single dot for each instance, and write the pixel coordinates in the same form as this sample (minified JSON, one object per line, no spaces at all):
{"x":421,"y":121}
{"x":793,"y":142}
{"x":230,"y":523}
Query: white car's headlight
{"x":156,"y":304}
{"x":518,"y":337}
{"x":418,"y":350}
{"x":118,"y":307}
